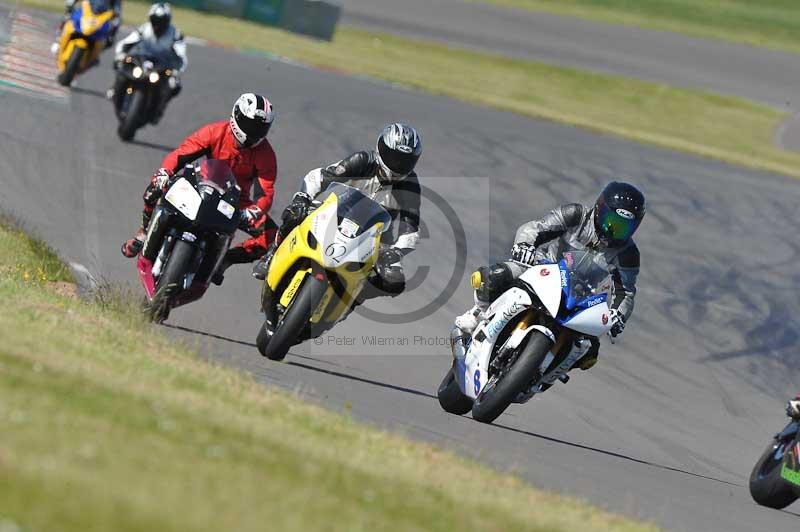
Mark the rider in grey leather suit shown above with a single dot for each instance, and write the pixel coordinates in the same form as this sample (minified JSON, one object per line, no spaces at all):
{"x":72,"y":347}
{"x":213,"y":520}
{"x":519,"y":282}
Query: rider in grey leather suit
{"x":386,"y":175}
{"x":607,"y":227}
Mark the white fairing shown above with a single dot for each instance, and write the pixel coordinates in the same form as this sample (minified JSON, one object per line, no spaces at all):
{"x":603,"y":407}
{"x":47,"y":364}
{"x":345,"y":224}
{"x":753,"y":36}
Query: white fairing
{"x":476,"y":363}
{"x":337,"y":248}
{"x":593,"y":321}
{"x":185,"y":198}
{"x":226,"y":209}
{"x":546,"y":282}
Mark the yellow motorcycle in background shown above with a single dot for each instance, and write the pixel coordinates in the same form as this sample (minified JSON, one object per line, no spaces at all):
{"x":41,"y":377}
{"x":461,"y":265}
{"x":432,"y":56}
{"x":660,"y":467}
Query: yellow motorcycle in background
{"x":83,"y":37}
{"x":320,"y":268}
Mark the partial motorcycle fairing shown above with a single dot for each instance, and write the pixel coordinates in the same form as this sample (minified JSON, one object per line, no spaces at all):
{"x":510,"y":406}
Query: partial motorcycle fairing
{"x":336,"y":242}
{"x":552,"y":309}
{"x":86,"y":29}
{"x":320,"y":268}
{"x":199,"y":214}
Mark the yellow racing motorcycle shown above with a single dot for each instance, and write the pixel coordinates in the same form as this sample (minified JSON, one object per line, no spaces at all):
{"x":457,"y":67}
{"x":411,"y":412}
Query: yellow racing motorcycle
{"x":320,"y":268}
{"x":83,"y":37}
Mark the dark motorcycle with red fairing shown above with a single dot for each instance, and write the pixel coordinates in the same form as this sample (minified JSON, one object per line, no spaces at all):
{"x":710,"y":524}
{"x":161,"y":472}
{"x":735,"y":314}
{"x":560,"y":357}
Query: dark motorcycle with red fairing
{"x":775,"y":479}
{"x":190,"y":231}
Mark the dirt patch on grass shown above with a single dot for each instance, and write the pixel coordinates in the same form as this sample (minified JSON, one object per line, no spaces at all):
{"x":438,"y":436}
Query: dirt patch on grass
{"x":63,"y":289}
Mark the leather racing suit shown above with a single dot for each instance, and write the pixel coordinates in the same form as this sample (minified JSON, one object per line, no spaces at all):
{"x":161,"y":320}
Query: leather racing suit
{"x":216,"y":141}
{"x":570,"y":225}
{"x":401,"y":197}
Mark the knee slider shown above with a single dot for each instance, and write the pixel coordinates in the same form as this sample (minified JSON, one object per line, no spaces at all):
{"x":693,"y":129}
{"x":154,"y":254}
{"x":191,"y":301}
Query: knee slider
{"x":491,"y":281}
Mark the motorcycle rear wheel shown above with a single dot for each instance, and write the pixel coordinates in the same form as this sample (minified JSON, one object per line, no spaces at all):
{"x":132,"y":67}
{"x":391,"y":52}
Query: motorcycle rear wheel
{"x":71,"y":68}
{"x":766,"y":485}
{"x":295,"y":319}
{"x":450,"y":397}
{"x":493,"y":400}
{"x":130,"y":122}
{"x":169,"y":283}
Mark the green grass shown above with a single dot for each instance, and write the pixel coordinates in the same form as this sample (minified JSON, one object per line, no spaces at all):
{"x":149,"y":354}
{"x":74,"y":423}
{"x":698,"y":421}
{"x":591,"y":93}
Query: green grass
{"x":722,"y":127}
{"x":107,"y":425}
{"x":769,"y":23}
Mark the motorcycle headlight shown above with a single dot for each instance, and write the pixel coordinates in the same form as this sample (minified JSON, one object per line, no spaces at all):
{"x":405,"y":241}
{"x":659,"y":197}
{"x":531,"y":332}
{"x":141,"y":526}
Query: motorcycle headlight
{"x":154,"y":77}
{"x":137,"y":72}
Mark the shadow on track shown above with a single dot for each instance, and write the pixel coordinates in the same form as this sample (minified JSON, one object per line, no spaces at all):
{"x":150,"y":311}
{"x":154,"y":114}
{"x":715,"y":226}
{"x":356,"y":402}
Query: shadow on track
{"x":89,"y":92}
{"x":152,"y":146}
{"x":239,"y":342}
{"x":361,"y":379}
{"x":615,"y":455}
{"x":210,"y":335}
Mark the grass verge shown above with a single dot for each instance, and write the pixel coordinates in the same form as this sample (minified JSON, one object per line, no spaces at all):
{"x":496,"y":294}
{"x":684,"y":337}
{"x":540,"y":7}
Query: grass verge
{"x":109,"y":426}
{"x":722,"y":127}
{"x":768,"y":23}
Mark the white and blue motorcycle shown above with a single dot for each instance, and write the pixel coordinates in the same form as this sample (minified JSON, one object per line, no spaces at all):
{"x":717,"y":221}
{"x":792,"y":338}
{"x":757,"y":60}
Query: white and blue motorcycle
{"x":530,"y":337}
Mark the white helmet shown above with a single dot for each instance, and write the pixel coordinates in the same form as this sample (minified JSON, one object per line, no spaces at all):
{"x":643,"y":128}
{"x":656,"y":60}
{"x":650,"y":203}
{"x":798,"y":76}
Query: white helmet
{"x":251,"y":119}
{"x":160,"y":15}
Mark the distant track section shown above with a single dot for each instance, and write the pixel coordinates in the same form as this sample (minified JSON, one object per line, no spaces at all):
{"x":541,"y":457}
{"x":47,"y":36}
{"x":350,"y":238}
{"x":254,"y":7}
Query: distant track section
{"x":26,"y":64}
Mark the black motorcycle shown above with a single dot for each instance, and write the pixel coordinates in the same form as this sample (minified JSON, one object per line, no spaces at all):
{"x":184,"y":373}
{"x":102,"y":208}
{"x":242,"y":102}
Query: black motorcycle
{"x":148,"y":70}
{"x":775,"y":480}
{"x":190,"y":231}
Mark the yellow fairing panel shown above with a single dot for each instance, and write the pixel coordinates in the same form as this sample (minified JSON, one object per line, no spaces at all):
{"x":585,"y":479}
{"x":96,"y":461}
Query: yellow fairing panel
{"x":90,"y":23}
{"x":296,"y":247}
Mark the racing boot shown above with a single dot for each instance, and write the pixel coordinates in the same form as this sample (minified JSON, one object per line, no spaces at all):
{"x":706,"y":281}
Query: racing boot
{"x":235,"y":255}
{"x":261,"y":267}
{"x":588,"y":360}
{"x":132,"y":247}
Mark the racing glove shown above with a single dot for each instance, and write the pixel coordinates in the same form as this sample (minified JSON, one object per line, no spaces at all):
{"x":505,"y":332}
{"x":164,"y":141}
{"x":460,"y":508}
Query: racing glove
{"x":161,"y":179}
{"x":523,"y":253}
{"x":251,"y":216}
{"x":294,"y":213}
{"x":793,"y":408}
{"x":158,"y":185}
{"x":389,"y":256}
{"x":617,"y":325}
{"x":297,"y":209}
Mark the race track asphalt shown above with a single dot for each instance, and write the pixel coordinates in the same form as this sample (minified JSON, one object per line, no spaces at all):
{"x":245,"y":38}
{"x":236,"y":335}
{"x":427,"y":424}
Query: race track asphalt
{"x":755,"y":73}
{"x":666,"y":427}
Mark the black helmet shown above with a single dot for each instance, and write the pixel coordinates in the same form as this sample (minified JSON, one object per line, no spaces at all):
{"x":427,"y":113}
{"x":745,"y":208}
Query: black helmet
{"x":618,"y":212}
{"x":399,"y":148}
{"x":160,"y":17}
{"x":251,"y":119}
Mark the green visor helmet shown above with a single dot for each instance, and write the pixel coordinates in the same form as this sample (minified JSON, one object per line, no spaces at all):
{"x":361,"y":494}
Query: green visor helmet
{"x":618,"y":212}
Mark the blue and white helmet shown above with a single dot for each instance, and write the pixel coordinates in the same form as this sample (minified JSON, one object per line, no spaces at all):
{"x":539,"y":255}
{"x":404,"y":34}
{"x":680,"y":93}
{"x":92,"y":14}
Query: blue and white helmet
{"x":251,"y":119}
{"x":399,"y":148}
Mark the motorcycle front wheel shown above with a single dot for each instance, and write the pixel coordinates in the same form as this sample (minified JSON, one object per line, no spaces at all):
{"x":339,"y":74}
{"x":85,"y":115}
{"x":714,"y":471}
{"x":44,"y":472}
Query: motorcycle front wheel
{"x":170,"y":280}
{"x":129,"y":123}
{"x":501,"y":391}
{"x":295,"y":319}
{"x":766,"y":485}
{"x":71,"y":68}
{"x":450,"y":397}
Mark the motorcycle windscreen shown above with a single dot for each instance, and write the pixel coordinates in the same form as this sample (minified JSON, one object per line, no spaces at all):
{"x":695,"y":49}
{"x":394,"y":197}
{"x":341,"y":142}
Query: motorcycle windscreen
{"x":100,"y":6}
{"x":162,"y":57}
{"x":356,"y":211}
{"x":217,"y":174}
{"x":584,"y":276}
